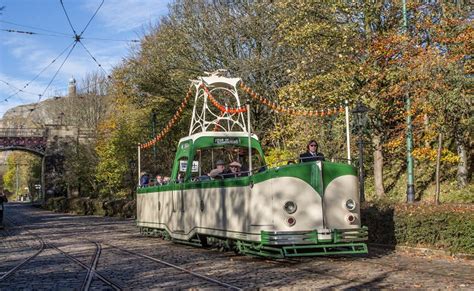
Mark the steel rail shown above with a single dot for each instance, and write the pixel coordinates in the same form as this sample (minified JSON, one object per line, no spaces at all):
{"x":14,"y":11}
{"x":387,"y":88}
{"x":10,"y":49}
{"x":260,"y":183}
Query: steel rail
{"x":176,"y":267}
{"x":17,"y":267}
{"x":97,"y":274}
{"x":92,"y":270}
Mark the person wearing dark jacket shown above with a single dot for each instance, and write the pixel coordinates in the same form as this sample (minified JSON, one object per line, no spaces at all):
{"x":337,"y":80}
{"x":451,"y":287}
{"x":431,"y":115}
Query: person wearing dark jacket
{"x":3,"y":199}
{"x":312,"y":153}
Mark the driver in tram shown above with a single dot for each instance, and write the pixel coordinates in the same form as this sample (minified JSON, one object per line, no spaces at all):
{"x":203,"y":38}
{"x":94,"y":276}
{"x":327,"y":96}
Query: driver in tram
{"x":312,"y":153}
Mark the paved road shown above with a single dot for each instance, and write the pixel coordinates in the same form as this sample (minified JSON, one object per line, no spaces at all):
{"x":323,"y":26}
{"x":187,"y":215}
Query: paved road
{"x":66,"y":246}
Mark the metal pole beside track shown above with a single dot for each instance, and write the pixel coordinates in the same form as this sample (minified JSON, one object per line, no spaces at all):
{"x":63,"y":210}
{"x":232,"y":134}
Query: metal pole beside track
{"x":409,"y":132}
{"x":250,"y":137}
{"x":348,"y":133}
{"x":139,"y":166}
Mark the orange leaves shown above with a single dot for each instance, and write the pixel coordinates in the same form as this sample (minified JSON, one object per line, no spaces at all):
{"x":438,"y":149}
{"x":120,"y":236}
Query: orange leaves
{"x":291,"y":111}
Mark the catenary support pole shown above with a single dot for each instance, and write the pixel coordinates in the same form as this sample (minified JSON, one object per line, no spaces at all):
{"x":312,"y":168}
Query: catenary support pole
{"x":250,"y":137}
{"x":348,"y":133}
{"x":409,"y":134}
{"x":139,"y":165}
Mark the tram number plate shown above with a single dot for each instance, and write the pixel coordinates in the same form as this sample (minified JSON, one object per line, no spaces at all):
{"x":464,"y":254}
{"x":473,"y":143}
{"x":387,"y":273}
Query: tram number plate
{"x":226,"y":140}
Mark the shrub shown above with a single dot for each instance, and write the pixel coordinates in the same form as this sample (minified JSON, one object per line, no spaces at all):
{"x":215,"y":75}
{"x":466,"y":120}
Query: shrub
{"x":130,"y":209}
{"x":57,"y":204}
{"x":98,"y":207}
{"x":449,"y":227}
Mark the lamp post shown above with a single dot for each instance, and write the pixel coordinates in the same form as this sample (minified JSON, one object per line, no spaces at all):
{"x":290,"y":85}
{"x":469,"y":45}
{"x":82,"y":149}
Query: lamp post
{"x":360,"y":113}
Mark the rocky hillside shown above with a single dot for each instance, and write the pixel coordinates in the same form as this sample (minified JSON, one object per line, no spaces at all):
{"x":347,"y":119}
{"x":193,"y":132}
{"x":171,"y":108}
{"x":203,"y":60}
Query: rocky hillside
{"x":33,"y":115}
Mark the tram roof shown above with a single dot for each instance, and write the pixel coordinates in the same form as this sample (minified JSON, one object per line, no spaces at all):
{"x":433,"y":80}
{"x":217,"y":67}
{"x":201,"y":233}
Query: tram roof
{"x":213,"y":134}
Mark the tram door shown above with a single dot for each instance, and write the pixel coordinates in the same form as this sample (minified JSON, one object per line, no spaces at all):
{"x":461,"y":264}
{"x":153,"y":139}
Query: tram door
{"x":178,"y":197}
{"x":178,"y":208}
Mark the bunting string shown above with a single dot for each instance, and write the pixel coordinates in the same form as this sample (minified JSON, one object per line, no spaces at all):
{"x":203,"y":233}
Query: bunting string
{"x":222,"y":108}
{"x":170,"y":123}
{"x":226,"y":109}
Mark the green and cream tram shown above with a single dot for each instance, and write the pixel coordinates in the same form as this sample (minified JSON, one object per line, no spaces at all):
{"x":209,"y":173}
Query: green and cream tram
{"x":299,"y":209}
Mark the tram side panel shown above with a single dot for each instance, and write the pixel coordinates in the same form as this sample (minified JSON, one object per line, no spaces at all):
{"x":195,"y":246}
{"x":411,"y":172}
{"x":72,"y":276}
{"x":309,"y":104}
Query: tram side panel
{"x":260,"y":210}
{"x":308,"y":214}
{"x":223,"y":210}
{"x":341,"y":197}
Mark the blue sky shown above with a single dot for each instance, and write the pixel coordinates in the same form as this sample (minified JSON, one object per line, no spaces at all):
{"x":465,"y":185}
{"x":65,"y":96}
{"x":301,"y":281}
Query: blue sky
{"x":24,"y":56}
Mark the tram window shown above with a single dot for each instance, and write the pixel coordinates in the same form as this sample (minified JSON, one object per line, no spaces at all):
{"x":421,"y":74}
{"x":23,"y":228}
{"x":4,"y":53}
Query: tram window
{"x":202,"y":165}
{"x":182,"y":165}
{"x":205,"y":160}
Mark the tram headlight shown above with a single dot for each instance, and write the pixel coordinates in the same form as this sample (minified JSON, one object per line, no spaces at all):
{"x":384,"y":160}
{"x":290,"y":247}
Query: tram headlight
{"x":350,"y":204}
{"x":290,"y":207}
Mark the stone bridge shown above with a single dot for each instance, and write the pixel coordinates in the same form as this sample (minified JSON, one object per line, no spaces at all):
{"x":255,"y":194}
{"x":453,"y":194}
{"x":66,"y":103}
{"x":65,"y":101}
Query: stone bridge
{"x":49,"y":143}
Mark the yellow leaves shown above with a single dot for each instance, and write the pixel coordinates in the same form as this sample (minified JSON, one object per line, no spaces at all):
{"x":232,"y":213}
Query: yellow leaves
{"x":429,"y":154}
{"x":395,"y":143}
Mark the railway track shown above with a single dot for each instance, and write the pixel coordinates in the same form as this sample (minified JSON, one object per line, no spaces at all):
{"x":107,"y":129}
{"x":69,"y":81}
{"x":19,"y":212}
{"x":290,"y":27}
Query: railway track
{"x":108,"y":234}
{"x":91,"y":271}
{"x":168,"y":264}
{"x":24,"y":262}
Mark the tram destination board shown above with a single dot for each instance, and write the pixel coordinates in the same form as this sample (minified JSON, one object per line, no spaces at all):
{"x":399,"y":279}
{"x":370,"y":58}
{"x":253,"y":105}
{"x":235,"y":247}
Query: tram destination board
{"x":226,"y":140}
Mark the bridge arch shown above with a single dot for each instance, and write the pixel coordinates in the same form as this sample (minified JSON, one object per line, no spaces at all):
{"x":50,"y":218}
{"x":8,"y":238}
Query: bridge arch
{"x":30,"y":140}
{"x":23,"y":149}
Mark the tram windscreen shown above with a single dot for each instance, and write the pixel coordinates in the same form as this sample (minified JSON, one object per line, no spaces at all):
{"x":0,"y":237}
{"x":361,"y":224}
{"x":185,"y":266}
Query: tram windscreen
{"x":205,"y":160}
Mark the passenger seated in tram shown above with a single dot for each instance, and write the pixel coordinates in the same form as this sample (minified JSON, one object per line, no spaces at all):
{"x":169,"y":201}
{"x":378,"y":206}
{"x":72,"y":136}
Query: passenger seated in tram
{"x":217,"y":172}
{"x":311,"y":153}
{"x":159,"y":180}
{"x":144,"y":179}
{"x":234,"y":170}
{"x":180,"y":177}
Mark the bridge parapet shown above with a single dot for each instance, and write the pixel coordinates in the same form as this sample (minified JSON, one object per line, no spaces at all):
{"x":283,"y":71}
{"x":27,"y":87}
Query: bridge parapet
{"x":23,"y":132}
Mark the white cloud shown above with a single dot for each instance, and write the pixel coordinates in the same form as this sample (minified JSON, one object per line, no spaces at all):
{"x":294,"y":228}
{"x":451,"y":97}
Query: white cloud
{"x":128,"y":15}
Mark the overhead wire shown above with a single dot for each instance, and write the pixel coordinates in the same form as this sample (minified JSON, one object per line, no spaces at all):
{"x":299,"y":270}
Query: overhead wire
{"x":66,"y":36}
{"x":90,"y":20}
{"x":90,"y":54}
{"x":37,"y":28}
{"x":32,"y":33}
{"x":16,"y":88}
{"x":57,"y":71}
{"x":67,"y":16}
{"x":51,"y":81}
{"x":77,"y":39}
{"x":109,"y":39}
{"x":39,"y":74}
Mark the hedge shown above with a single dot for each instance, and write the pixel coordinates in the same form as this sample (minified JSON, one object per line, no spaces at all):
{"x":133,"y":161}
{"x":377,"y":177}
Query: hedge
{"x":446,"y":227}
{"x":87,"y":206}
